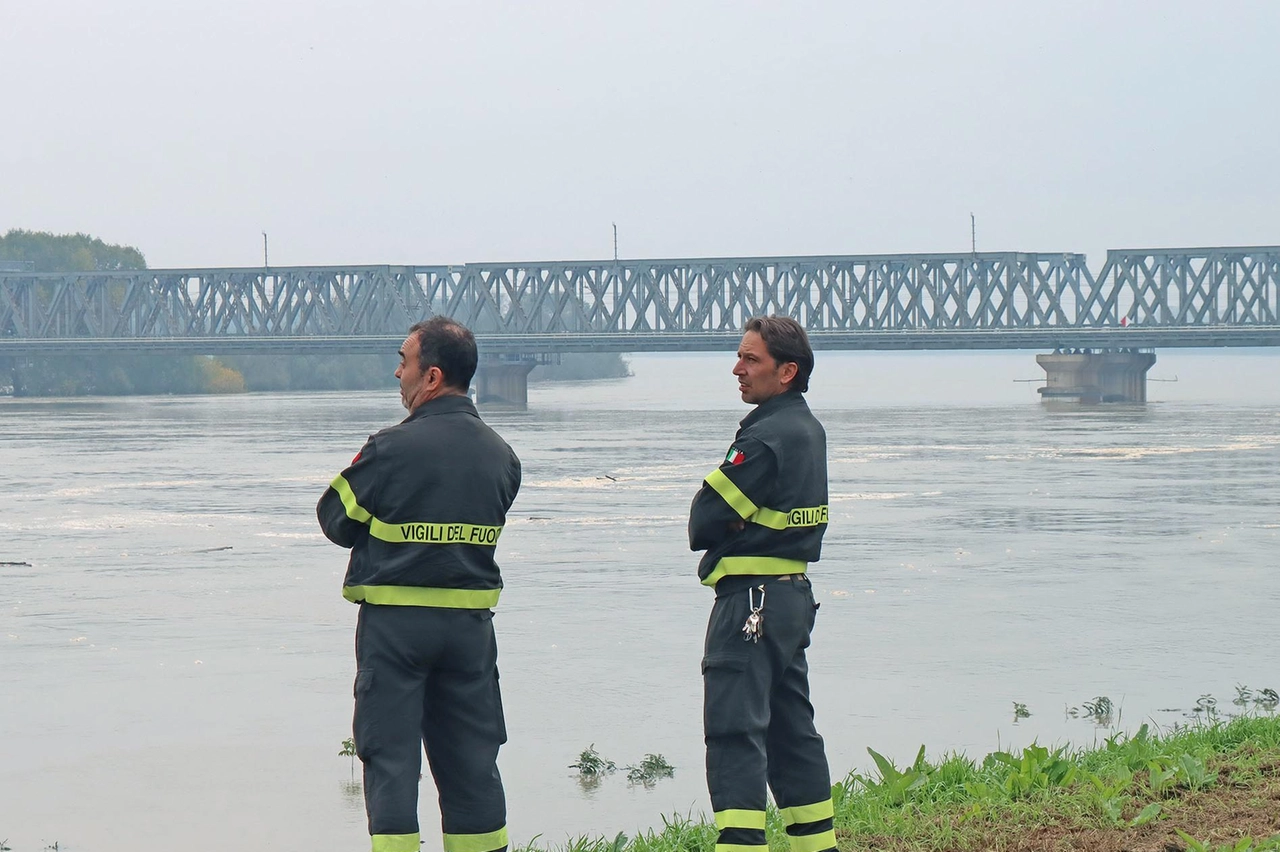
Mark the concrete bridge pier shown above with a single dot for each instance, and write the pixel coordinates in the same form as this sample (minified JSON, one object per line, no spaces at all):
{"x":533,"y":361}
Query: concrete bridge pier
{"x":10,"y":378}
{"x":1083,"y":375}
{"x":503,"y":381}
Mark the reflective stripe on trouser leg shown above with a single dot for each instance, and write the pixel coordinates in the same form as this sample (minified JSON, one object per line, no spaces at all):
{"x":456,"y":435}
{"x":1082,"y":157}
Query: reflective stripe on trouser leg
{"x":740,"y":831}
{"x":463,"y":728}
{"x":396,"y":842}
{"x":489,"y":842}
{"x":809,"y":827}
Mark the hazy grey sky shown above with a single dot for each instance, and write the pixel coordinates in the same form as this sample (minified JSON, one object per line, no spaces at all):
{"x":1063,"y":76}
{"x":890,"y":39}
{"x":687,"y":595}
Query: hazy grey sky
{"x":434,"y":132}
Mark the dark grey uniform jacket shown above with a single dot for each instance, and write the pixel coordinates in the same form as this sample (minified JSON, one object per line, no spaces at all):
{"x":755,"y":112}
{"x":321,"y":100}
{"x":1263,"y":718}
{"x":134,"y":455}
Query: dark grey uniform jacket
{"x":421,"y":508}
{"x":774,"y":478}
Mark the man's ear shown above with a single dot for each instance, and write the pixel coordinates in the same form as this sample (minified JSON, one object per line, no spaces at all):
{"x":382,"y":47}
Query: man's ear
{"x":434,"y":377}
{"x":787,"y":372}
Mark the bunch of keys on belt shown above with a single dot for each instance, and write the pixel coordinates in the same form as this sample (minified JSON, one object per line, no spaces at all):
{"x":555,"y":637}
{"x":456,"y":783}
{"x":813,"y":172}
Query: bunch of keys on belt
{"x":753,"y":628}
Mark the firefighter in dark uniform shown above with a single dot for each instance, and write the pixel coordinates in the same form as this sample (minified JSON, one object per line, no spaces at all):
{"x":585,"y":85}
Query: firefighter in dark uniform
{"x":421,"y":508}
{"x":760,"y":517}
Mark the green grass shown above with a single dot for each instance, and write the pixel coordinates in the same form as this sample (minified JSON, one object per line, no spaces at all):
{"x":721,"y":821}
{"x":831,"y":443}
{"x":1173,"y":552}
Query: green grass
{"x":1130,"y":783}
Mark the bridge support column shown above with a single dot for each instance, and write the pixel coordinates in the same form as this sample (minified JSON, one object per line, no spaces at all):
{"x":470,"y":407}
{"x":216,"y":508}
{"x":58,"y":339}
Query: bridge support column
{"x":10,"y":382}
{"x":504,"y":382}
{"x":1081,"y":375}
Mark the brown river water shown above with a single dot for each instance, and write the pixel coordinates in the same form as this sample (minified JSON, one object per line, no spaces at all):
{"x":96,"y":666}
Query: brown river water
{"x":176,"y":660}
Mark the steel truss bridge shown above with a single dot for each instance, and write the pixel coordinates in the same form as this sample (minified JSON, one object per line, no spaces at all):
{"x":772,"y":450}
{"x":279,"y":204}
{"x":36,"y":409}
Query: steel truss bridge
{"x":990,"y":300}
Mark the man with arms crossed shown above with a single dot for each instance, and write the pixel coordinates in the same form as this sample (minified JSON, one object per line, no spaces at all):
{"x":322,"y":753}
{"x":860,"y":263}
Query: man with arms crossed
{"x":421,"y":508}
{"x":760,"y":517}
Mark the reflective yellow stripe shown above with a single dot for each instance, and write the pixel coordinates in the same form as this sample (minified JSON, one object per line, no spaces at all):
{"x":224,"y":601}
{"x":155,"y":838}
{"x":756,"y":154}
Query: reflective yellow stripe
{"x":475,"y":842}
{"x":732,"y":495}
{"x":804,"y":516}
{"x":740,"y":819}
{"x":808,"y":813}
{"x":770,"y":518}
{"x":741,"y":847}
{"x":426,"y":533}
{"x":355,"y":511}
{"x":396,"y":842}
{"x":755,"y":566}
{"x":807,"y":516}
{"x":415,"y":532}
{"x":422,"y":596}
{"x":813,"y":842}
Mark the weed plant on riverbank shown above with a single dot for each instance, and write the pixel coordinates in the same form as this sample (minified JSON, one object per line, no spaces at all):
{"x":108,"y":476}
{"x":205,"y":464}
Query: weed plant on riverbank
{"x":1213,"y":786}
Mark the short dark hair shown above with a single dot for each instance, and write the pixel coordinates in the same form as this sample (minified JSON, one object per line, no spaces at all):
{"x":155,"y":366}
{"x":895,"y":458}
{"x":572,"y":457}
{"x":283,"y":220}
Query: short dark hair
{"x":786,"y":341}
{"x":449,"y":345}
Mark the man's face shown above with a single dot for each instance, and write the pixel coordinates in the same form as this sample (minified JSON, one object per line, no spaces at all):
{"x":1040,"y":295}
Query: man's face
{"x":412,"y":379}
{"x":760,"y":378}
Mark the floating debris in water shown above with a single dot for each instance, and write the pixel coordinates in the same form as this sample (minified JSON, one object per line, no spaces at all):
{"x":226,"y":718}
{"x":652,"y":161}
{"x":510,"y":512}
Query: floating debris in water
{"x":649,"y":770}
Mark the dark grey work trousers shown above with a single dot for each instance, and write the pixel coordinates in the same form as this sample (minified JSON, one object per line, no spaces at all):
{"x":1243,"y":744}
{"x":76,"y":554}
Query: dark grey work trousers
{"x":429,"y":676}
{"x":758,"y":719}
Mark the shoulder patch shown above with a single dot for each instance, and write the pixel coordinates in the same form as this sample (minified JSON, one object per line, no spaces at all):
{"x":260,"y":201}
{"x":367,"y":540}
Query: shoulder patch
{"x":735,"y":456}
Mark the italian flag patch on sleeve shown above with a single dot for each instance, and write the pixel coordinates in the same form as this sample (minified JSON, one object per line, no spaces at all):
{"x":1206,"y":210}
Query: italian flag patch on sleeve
{"x":735,"y":456}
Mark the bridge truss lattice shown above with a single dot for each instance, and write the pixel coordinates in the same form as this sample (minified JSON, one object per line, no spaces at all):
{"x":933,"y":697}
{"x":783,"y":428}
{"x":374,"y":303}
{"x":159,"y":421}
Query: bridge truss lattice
{"x":990,"y":300}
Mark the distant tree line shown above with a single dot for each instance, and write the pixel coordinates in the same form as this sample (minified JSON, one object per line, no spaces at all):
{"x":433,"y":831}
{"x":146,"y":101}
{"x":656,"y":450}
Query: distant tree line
{"x":77,"y":373}
{"x":80,"y":373}
{"x":47,"y":252}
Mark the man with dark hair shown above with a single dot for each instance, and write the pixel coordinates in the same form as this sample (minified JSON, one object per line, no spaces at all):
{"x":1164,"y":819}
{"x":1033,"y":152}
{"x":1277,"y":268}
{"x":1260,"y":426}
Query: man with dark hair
{"x":760,"y":517}
{"x":448,"y":345}
{"x":421,"y":507}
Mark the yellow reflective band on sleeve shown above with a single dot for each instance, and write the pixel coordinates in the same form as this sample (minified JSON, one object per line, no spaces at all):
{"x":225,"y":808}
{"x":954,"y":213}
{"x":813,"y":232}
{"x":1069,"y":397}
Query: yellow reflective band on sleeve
{"x":396,"y":842}
{"x":741,"y":847}
{"x":813,"y":842}
{"x":422,"y":596}
{"x":754,"y":566}
{"x":739,"y":819}
{"x":475,"y":842}
{"x":806,"y":516}
{"x":355,"y":511}
{"x":428,"y":533}
{"x":732,"y":495}
{"x":809,"y":516}
{"x":808,"y":813}
{"x":417,"y":532}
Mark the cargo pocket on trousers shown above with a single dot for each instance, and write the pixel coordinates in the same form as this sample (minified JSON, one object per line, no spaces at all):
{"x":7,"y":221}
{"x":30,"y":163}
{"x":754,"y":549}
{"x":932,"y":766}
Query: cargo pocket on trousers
{"x":363,"y":728}
{"x":725,"y":688}
{"x":500,"y":719}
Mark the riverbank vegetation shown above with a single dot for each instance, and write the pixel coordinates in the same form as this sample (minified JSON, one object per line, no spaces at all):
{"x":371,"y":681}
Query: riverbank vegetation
{"x":117,"y":375}
{"x":1211,"y":786}
{"x":41,"y":251}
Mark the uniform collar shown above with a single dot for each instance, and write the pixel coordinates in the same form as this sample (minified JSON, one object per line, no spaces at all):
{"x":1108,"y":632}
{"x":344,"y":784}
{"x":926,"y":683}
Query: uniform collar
{"x":772,"y":405}
{"x":443,"y":405}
